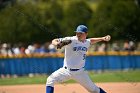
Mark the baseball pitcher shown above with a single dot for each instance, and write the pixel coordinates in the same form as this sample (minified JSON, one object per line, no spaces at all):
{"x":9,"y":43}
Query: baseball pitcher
{"x":74,"y":60}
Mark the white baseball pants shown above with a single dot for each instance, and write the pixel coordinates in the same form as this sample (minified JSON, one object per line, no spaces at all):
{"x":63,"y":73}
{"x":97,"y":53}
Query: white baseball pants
{"x":80,"y":76}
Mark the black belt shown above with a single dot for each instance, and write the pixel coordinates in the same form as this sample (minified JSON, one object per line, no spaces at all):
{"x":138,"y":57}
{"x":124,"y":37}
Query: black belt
{"x":72,"y":69}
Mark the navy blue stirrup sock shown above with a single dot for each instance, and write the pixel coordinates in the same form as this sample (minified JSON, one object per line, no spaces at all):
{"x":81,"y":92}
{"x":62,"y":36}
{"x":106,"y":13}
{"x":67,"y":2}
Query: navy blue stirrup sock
{"x":49,"y":89}
{"x":102,"y":91}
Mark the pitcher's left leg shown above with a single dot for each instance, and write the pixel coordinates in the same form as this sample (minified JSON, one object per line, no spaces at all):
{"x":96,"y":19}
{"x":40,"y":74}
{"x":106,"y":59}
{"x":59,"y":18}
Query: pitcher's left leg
{"x":60,"y":75}
{"x":85,"y":81}
{"x":49,"y":89}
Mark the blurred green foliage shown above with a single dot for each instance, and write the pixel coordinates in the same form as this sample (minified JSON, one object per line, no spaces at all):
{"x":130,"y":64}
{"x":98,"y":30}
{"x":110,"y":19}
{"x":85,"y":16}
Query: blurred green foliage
{"x":43,"y":20}
{"x":119,"y":18}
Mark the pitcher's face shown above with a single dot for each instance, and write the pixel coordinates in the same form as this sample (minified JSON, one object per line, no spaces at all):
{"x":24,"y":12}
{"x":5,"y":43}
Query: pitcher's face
{"x":81,"y":36}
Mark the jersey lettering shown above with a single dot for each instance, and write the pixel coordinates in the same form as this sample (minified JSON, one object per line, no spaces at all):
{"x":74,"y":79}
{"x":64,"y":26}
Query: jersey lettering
{"x":79,"y":48}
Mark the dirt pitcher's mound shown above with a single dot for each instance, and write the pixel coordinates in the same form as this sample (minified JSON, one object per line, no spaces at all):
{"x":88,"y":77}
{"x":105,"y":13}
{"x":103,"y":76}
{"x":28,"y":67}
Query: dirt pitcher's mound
{"x":73,"y":88}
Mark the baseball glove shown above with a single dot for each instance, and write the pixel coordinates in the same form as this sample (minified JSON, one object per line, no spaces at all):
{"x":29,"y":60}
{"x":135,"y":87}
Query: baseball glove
{"x":63,"y":43}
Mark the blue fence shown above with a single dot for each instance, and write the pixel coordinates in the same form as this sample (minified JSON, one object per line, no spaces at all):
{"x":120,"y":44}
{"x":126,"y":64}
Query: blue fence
{"x":24,"y":66}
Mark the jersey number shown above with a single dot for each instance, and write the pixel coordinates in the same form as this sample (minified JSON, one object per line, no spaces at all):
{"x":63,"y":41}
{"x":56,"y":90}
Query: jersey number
{"x":84,"y":56}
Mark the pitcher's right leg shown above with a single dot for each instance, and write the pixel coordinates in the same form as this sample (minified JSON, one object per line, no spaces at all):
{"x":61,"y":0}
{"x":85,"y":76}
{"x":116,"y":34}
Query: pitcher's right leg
{"x":83,"y":78}
{"x":102,"y":91}
{"x":60,"y":75}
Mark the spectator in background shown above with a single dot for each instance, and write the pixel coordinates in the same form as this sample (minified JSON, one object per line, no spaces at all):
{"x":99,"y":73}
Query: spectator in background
{"x":46,"y":45}
{"x":16,"y":49}
{"x":19,"y":49}
{"x":115,"y":47}
{"x":126,"y":46}
{"x":6,"y":49}
{"x":102,"y":48}
{"x":138,"y":46}
{"x":51,"y":48}
{"x":30,"y":49}
{"x":38,"y":48}
{"x":96,"y":48}
{"x":22,"y":50}
{"x":132,"y":46}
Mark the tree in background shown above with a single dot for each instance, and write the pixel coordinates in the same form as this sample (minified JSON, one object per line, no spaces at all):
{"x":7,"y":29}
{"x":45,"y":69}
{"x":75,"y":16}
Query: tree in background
{"x":53,"y":19}
{"x":41,"y":20}
{"x":78,"y":12}
{"x":120,"y":18}
{"x":16,"y":23}
{"x":27,"y":23}
{"x":4,"y":3}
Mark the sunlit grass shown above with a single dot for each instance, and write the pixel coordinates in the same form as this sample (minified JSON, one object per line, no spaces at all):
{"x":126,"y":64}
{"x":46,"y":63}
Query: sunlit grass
{"x":113,"y":76}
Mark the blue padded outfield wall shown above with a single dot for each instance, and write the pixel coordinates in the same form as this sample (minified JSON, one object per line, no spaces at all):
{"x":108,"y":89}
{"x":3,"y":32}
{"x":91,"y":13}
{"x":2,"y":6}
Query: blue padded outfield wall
{"x":24,"y":66}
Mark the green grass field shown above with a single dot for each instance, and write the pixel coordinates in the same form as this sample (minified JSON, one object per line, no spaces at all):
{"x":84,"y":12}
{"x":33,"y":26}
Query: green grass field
{"x":119,"y":76}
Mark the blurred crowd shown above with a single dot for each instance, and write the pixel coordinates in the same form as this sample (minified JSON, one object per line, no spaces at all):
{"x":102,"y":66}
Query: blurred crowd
{"x":16,"y":49}
{"x":116,"y":46}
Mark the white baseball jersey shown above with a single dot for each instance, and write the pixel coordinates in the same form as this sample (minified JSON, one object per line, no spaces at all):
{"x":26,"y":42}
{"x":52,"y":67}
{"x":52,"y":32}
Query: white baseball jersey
{"x":75,"y":53}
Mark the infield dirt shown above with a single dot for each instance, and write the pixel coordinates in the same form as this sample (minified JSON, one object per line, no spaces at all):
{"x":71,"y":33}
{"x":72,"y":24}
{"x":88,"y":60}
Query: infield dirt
{"x":73,"y":88}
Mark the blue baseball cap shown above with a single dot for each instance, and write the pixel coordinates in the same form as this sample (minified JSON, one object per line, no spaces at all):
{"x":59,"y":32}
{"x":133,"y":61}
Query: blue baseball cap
{"x":82,"y":29}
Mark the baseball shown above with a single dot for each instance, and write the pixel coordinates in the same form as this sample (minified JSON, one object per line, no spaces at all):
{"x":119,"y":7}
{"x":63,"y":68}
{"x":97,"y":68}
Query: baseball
{"x":107,"y":38}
